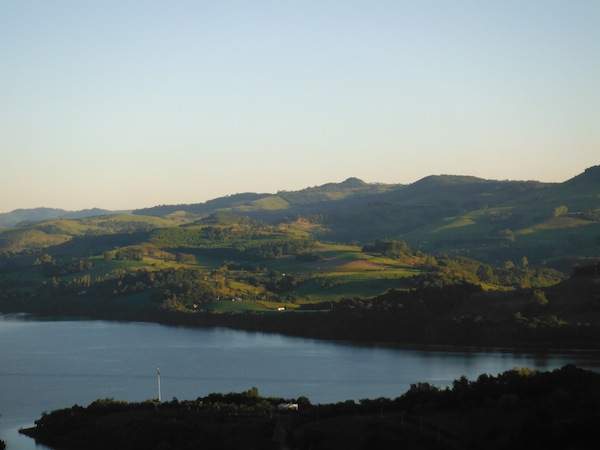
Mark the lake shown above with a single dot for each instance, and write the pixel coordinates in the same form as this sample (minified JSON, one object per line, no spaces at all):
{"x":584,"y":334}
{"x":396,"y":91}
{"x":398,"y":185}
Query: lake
{"x":49,"y":364}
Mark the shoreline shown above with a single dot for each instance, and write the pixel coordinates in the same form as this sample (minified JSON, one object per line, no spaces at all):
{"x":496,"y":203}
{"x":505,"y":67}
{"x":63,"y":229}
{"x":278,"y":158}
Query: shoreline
{"x":423,"y":417}
{"x":415,"y":346}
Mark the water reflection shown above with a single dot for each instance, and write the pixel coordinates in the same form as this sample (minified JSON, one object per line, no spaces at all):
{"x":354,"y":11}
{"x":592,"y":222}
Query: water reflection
{"x":50,"y":364}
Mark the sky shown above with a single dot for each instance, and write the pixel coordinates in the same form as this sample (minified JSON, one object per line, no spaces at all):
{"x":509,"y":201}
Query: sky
{"x":125,"y":104}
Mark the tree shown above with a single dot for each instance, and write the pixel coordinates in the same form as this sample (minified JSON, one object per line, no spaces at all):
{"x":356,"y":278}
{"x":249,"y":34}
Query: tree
{"x":44,"y":259}
{"x":252,"y":392}
{"x":524,"y":262}
{"x":431,"y":261}
{"x":539,"y":298}
{"x":560,"y":211}
{"x":509,"y":265}
{"x":485,"y":273}
{"x":303,"y":402}
{"x":391,"y":249}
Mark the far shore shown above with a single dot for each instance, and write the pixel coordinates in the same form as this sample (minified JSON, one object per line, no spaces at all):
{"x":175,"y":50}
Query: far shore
{"x":415,"y":346}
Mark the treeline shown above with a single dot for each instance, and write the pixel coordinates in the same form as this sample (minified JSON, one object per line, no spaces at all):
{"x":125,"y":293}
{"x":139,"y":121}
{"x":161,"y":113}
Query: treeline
{"x":139,"y":252}
{"x":391,"y":248}
{"x":520,"y":408}
{"x":275,"y":248}
{"x":450,"y":269}
{"x":115,"y":293}
{"x":453,"y":269}
{"x":245,"y":242}
{"x":461,"y":313}
{"x":194,"y":236}
{"x":52,"y":267}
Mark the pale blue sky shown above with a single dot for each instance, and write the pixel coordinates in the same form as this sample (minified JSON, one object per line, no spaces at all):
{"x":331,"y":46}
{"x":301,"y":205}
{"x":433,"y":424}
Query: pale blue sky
{"x":123,"y":104}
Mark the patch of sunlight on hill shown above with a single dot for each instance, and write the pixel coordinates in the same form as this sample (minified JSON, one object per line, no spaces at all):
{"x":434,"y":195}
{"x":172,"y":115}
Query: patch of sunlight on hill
{"x":229,"y":306}
{"x":18,"y":240}
{"x":360,"y":265}
{"x":335,"y":287}
{"x":71,"y":227}
{"x":300,"y":229}
{"x":336,"y":195}
{"x":270,"y":203}
{"x":335,"y":247}
{"x":58,"y":231}
{"x":180,"y":216}
{"x":101,"y":224}
{"x":555,"y":223}
{"x":456,"y":222}
{"x":131,"y":218}
{"x":480,"y":216}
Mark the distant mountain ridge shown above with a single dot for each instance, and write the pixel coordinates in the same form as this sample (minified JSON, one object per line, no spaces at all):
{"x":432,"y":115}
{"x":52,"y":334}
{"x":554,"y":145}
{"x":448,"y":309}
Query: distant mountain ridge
{"x":255,"y":202}
{"x":490,"y":220}
{"x":355,"y":187}
{"x":487,"y":219}
{"x":18,"y":216}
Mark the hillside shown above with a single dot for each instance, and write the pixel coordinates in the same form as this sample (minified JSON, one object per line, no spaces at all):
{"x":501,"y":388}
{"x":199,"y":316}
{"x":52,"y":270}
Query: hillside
{"x":54,"y":232}
{"x":491,"y":220}
{"x":495,"y":221}
{"x":491,"y":248}
{"x":10,"y":219}
{"x":283,"y":200}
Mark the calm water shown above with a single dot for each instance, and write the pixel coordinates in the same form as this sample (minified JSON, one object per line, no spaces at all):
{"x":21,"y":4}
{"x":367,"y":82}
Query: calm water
{"x":46,"y":365}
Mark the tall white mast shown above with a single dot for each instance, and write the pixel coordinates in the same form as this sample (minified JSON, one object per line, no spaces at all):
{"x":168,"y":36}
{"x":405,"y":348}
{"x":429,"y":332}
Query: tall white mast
{"x":158,"y":382}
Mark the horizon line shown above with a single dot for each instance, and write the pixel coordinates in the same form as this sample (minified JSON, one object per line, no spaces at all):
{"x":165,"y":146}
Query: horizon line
{"x":129,"y":210}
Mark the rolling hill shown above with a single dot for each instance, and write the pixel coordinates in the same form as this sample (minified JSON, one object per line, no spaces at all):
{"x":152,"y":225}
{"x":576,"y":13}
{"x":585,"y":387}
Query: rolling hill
{"x":493,"y":220}
{"x":10,"y":219}
{"x":490,"y":220}
{"x":281,"y":201}
{"x":55,"y":232}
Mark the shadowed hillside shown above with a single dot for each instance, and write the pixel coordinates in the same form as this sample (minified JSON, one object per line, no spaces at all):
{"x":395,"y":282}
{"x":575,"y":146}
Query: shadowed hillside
{"x":485,"y":219}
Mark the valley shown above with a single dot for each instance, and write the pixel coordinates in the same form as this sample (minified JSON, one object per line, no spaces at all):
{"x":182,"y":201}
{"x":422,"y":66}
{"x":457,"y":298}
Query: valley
{"x":503,"y":255}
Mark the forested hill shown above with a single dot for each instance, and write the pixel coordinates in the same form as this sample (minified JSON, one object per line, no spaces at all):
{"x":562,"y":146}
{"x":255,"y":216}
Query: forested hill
{"x":247,"y":203}
{"x":555,"y":224}
{"x":490,"y":220}
{"x":516,"y":409}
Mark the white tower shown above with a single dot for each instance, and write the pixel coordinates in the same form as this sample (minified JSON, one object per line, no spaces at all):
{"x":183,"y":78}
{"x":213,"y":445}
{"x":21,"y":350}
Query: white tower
{"x":158,"y":382}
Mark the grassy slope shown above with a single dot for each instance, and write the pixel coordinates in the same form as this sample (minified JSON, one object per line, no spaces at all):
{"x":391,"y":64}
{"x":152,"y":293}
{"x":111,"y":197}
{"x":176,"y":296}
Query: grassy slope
{"x":338,"y":271}
{"x":343,"y":270}
{"x":222,"y":249}
{"x":17,"y":240}
{"x":454,"y":214}
{"x":58,"y":231}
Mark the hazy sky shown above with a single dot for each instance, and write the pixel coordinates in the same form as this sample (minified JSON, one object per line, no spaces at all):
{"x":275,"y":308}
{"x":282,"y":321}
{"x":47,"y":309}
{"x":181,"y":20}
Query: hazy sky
{"x":123,"y":104}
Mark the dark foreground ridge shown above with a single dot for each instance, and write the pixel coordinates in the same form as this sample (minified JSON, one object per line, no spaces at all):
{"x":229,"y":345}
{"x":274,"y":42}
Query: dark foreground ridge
{"x":516,"y":409}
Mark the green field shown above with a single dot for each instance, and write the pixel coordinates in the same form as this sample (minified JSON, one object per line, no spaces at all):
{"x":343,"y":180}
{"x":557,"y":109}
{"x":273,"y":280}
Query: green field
{"x":227,"y":263}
